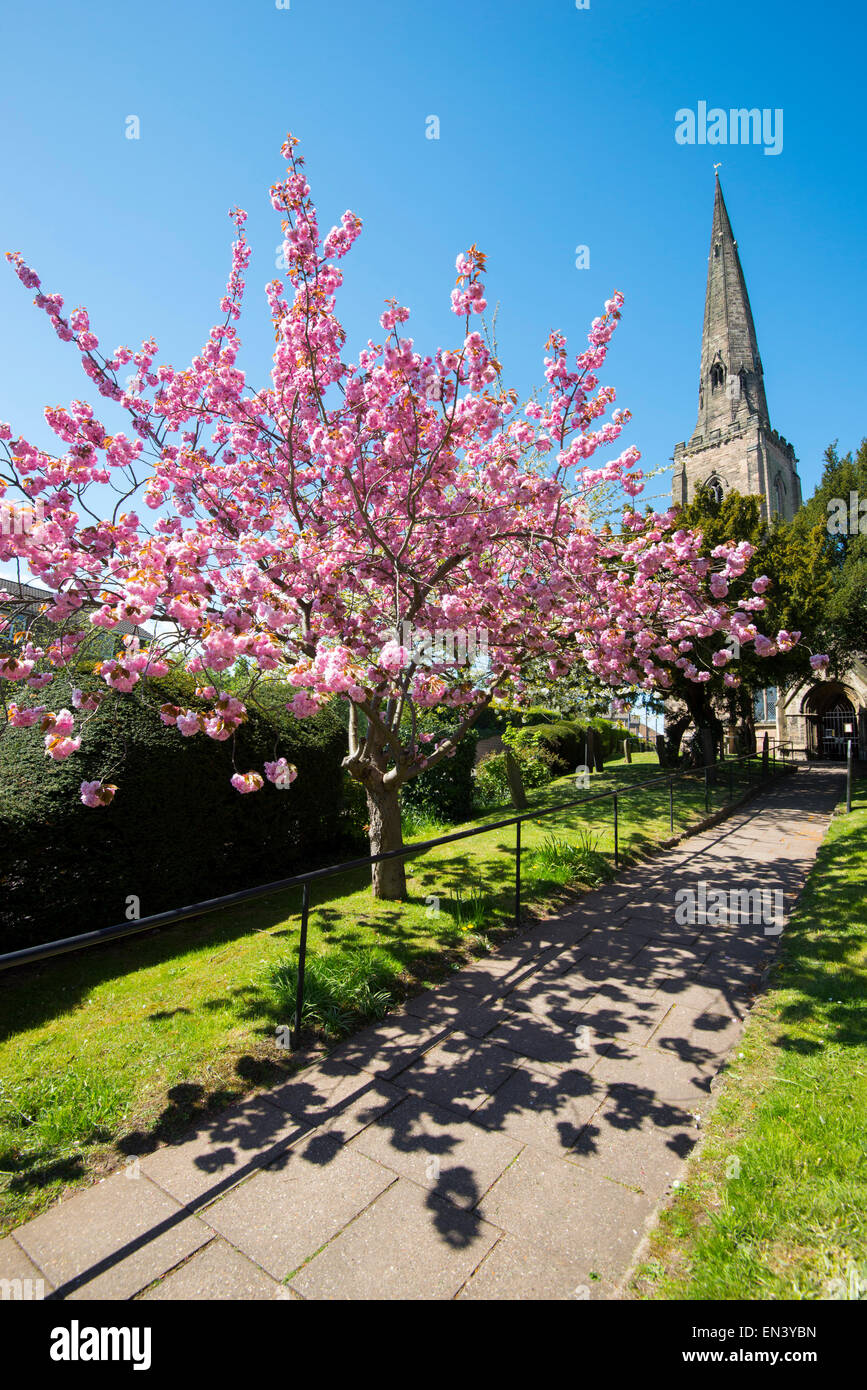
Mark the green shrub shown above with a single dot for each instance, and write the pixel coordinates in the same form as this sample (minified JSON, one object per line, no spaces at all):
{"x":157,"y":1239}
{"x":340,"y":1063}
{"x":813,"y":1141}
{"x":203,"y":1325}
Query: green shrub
{"x":445,"y":793}
{"x":560,"y":744}
{"x":341,"y":991}
{"x":177,"y":831}
{"x":566,"y":862}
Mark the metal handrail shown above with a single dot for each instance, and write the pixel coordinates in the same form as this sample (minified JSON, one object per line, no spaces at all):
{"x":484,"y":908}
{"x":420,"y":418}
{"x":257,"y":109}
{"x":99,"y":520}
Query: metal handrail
{"x":65,"y":945}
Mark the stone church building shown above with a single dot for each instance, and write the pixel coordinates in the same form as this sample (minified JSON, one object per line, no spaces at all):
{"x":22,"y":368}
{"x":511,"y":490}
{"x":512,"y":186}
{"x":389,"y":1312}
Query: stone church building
{"x":734,"y":446}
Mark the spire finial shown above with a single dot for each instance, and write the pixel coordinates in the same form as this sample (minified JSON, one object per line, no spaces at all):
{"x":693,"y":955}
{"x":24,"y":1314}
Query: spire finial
{"x":716,"y":167}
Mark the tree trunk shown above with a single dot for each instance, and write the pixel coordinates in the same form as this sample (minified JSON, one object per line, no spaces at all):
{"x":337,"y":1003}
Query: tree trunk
{"x":383,"y":807}
{"x":708,"y":750}
{"x":516,"y":781}
{"x":674,"y":732}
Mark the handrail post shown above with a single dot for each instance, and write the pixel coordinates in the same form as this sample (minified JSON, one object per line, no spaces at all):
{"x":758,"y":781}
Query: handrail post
{"x":517,"y":875}
{"x":849,"y":776}
{"x":302,"y":960}
{"x":616,"y":859}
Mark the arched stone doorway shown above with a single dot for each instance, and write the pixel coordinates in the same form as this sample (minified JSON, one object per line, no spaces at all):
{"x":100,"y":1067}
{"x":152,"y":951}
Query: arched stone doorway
{"x":830,"y":720}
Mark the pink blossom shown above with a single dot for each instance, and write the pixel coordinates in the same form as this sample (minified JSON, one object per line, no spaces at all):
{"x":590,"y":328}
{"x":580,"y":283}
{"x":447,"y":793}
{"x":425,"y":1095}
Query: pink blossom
{"x":97,"y":793}
{"x":119,"y":676}
{"x":87,"y":702}
{"x":59,"y":748}
{"x":11,"y":669}
{"x":247,"y":782}
{"x":820,"y":662}
{"x":188,"y":723}
{"x":25,"y":718}
{"x":302,"y":706}
{"x":63,"y":722}
{"x":281,"y":773}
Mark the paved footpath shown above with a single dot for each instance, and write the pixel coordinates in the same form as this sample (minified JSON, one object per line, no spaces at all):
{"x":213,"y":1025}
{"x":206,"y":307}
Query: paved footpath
{"x":507,"y":1135}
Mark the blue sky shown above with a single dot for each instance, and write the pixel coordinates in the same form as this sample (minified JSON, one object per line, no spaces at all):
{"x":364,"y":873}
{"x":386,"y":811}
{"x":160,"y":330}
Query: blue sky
{"x":556,"y":130}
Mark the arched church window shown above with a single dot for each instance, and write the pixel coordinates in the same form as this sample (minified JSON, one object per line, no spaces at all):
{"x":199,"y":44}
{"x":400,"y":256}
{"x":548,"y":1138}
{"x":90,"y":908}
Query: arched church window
{"x":779,"y":496}
{"x":717,"y":375}
{"x":714,"y":488}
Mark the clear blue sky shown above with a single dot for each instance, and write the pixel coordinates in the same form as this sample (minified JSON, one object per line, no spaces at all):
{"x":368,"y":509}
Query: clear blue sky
{"x":556,"y":129}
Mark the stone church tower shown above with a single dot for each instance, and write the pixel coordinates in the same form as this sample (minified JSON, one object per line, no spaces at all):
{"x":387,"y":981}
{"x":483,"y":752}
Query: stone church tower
{"x":733,"y":445}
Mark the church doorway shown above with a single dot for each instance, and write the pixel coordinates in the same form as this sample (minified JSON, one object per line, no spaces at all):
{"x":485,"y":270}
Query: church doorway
{"x":830,"y":721}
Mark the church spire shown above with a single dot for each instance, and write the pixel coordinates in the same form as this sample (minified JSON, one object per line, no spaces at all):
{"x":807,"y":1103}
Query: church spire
{"x":733,"y":446}
{"x":731,"y":385}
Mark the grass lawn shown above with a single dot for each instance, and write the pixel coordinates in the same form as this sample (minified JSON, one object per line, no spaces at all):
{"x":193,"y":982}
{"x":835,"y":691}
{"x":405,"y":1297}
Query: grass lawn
{"x":775,"y":1203}
{"x":106,"y":1053}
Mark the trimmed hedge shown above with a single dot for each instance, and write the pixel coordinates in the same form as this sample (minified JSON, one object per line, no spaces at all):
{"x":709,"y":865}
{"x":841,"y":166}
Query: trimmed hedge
{"x":177,"y":831}
{"x":563,"y":741}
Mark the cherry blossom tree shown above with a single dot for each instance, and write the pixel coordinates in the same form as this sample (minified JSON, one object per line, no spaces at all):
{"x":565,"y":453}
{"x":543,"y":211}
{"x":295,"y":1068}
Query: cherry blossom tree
{"x":395,"y":530}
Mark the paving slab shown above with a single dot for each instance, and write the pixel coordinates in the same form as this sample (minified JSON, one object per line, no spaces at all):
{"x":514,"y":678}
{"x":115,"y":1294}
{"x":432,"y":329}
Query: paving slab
{"x":698,"y":997}
{"x":615,"y":943}
{"x":221,"y":1152}
{"x":382,"y":1049}
{"x":643,"y":1145}
{"x":111,"y":1240}
{"x":409,"y":1245}
{"x":556,"y":1039}
{"x":335,"y":1099}
{"x":702,"y":1036}
{"x":544,"y":1110}
{"x":20,"y":1279}
{"x":633,"y":1076}
{"x":460,"y":1073}
{"x":628,"y":1020}
{"x":431,"y":1146}
{"x":281,"y":1217}
{"x":516,"y":1270}
{"x":551,"y":996}
{"x":217,"y":1272}
{"x":566,"y":1212}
